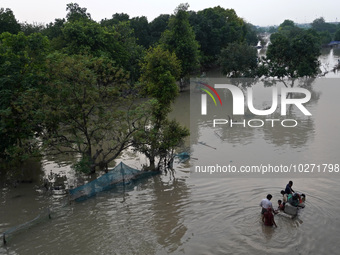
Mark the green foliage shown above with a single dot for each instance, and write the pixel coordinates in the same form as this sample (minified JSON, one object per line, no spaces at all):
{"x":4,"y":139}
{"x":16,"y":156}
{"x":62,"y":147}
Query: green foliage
{"x":116,"y":19}
{"x":75,"y":12}
{"x":83,"y":165}
{"x":140,"y":26}
{"x":157,"y":27}
{"x":288,"y":29}
{"x":28,"y":29}
{"x":86,"y":36}
{"x":292,"y":55}
{"x":287,"y":25}
{"x":320,"y":25}
{"x":251,"y":37}
{"x":215,"y":28}
{"x":160,"y":69}
{"x":8,"y":23}
{"x":272,"y":29}
{"x":118,"y":43}
{"x":160,"y":142}
{"x":325,"y":37}
{"x":180,"y":39}
{"x":160,"y":136}
{"x":326,"y":31}
{"x":337,"y":35}
{"x":87,"y":110}
{"x":54,"y":32}
{"x":238,"y":60}
{"x":22,"y":64}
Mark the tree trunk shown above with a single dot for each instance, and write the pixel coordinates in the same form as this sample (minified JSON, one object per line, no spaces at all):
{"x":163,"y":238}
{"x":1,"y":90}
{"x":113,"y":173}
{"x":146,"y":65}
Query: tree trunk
{"x":152,"y":164}
{"x":92,"y":164}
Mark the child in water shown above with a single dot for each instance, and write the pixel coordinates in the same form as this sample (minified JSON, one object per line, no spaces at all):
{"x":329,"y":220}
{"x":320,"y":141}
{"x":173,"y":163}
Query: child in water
{"x":281,"y":205}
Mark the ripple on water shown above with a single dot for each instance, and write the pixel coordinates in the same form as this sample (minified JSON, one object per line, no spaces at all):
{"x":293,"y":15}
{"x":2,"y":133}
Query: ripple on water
{"x":231,"y":213}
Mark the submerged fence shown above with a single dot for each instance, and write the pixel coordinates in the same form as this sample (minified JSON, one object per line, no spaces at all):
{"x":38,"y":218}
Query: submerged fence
{"x":45,"y":215}
{"x":120,"y":175}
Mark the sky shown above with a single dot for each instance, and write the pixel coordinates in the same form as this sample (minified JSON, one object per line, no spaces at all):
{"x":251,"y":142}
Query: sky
{"x":257,"y":12}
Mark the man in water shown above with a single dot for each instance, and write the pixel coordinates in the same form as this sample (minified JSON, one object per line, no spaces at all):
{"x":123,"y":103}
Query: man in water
{"x":265,"y":204}
{"x":289,"y":189}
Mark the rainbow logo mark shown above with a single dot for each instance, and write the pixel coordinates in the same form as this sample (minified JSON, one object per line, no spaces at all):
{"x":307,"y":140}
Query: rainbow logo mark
{"x":213,"y":90}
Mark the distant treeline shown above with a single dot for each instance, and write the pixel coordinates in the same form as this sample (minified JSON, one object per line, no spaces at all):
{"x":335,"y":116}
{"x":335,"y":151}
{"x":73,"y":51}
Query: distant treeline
{"x":327,"y":31}
{"x":214,"y":29}
{"x":72,"y":86}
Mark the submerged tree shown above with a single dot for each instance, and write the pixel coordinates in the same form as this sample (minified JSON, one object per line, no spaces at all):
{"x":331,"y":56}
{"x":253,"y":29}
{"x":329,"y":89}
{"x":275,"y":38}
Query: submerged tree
{"x":291,"y":55}
{"x":88,"y":112}
{"x":238,"y":60}
{"x":160,"y":136}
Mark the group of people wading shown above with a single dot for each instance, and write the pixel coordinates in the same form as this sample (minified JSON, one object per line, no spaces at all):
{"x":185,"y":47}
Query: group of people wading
{"x":288,"y":196}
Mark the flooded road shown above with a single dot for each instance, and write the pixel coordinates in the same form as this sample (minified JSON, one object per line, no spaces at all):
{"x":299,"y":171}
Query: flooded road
{"x":190,"y":213}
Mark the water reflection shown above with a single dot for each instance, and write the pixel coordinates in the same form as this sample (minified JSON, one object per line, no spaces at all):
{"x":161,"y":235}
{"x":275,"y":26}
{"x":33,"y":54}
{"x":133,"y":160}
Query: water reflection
{"x":273,"y":139}
{"x":171,"y":200}
{"x":240,"y":129}
{"x":165,"y":215}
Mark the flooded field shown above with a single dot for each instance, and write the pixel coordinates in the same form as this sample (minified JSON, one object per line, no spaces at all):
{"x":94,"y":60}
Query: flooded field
{"x":191,"y":213}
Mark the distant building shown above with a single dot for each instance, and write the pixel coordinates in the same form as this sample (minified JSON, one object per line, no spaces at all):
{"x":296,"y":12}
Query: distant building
{"x":334,"y":44}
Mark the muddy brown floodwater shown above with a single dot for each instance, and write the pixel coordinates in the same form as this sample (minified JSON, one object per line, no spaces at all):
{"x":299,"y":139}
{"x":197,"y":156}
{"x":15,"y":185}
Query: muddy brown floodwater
{"x":192,"y":213}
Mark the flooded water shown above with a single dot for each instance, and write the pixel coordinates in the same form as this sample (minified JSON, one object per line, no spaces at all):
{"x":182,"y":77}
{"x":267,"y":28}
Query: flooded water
{"x":190,"y":213}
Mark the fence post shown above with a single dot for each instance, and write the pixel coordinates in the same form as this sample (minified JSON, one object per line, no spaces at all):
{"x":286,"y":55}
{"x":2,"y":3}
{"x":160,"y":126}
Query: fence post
{"x":4,"y":238}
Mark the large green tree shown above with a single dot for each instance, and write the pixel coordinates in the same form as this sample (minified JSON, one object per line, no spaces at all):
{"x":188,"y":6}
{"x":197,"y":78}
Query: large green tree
{"x":292,"y":55}
{"x":238,"y":60}
{"x":140,"y":26}
{"x":157,"y":27}
{"x":87,"y":109}
{"x":160,"y":136}
{"x":320,"y":25}
{"x":8,"y":23}
{"x":75,"y":12}
{"x":116,"y":42}
{"x":180,"y":39}
{"x":215,"y":28}
{"x":22,"y":65}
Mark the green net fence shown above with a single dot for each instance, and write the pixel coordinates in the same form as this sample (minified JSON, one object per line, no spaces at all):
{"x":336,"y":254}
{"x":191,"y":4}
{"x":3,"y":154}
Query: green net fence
{"x":121,"y":175}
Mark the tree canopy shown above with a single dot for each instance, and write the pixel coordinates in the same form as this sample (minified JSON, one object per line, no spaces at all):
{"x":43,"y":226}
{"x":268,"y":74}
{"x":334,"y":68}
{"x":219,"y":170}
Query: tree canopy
{"x":73,"y":85}
{"x":8,"y":23}
{"x":215,"y":28}
{"x":238,"y":60}
{"x":180,"y":39}
{"x":292,"y":54}
{"x":86,"y":109}
{"x":161,"y":136}
{"x":22,"y":66}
